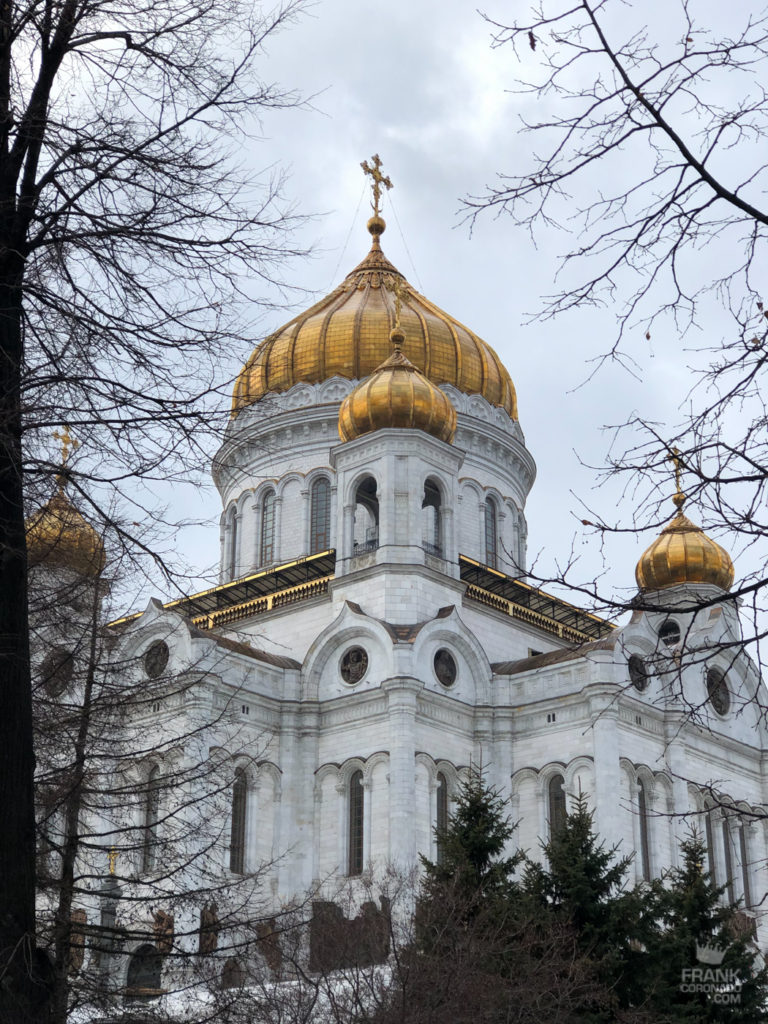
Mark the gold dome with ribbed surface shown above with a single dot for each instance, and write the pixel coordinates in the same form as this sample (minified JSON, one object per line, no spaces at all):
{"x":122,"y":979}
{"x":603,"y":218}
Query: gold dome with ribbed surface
{"x":397,"y":394}
{"x":683,"y":553}
{"x":59,"y":536}
{"x":347,"y":334}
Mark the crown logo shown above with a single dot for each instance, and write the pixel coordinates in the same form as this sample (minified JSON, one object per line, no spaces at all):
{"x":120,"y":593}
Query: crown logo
{"x":709,"y":954}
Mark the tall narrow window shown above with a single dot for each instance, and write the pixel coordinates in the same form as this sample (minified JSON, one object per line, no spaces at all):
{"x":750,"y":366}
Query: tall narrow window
{"x":710,"y":846}
{"x":151,"y":814}
{"x":234,"y":540}
{"x":237,"y":833}
{"x":441,"y":818}
{"x":356,"y":818}
{"x":267,"y":545}
{"x":645,"y":846}
{"x":731,"y":888}
{"x":320,"y":516}
{"x":491,"y":549}
{"x":557,"y":808}
{"x":745,"y":865}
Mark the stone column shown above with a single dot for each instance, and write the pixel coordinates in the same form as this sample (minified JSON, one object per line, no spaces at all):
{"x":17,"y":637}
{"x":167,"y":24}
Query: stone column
{"x":604,"y":714}
{"x":401,"y":693}
{"x":106,"y":942}
{"x":347,"y":539}
{"x":676,"y":763}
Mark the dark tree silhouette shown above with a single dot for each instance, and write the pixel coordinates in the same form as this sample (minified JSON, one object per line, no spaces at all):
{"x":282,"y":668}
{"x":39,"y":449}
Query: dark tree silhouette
{"x":127,"y":231}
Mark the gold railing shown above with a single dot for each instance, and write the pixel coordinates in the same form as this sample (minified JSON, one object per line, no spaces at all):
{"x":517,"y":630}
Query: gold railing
{"x":260,"y":605}
{"x":518,"y":611}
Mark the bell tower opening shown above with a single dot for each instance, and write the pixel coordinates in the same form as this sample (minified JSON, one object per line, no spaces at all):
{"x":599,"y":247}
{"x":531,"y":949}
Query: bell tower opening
{"x":431,"y":516}
{"x":366,"y":533}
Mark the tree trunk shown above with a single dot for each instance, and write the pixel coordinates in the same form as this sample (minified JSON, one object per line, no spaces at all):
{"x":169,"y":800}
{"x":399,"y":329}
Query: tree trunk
{"x":23,"y":989}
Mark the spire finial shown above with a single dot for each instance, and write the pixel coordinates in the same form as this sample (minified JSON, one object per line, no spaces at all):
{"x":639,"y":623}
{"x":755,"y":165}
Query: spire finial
{"x":69,"y":444}
{"x":678,"y":498}
{"x":379,"y":179}
{"x":397,"y":334}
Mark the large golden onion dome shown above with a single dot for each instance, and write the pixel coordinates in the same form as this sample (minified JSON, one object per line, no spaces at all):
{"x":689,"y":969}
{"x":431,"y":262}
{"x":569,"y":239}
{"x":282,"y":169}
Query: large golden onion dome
{"x":347,"y":334}
{"x":683,"y":553}
{"x":397,"y":394}
{"x":59,"y":536}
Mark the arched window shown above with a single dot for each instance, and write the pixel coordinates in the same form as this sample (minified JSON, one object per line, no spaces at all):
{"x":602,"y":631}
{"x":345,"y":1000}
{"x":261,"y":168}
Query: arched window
{"x":557,"y":808}
{"x":491,"y":528}
{"x":144,"y":971}
{"x":356,"y":819}
{"x":232,"y":974}
{"x":151,"y":815}
{"x":366,"y":537}
{"x":431,"y":539}
{"x":234,"y":541}
{"x":645,"y":846}
{"x":441,"y":818}
{"x":267,"y":542}
{"x":237,"y":831}
{"x":320,"y":516}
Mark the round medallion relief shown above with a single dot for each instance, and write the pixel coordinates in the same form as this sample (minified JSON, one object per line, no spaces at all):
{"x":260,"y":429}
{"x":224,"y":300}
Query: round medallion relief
{"x":354,"y":665}
{"x":56,"y":671}
{"x":718,"y":691}
{"x":638,"y":672}
{"x":156,"y":659}
{"x":445,"y":667}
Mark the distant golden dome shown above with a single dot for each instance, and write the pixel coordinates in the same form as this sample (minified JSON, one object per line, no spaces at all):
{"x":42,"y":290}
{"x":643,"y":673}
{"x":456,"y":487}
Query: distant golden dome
{"x":683,"y":553}
{"x":397,"y":394}
{"x":59,"y":536}
{"x":347,"y":334}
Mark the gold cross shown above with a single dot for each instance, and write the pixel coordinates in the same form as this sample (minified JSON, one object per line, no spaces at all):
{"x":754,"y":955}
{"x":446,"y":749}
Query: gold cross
{"x":674,"y":457}
{"x":69,"y":444}
{"x":379,"y":179}
{"x":398,"y":290}
{"x":112,"y":858}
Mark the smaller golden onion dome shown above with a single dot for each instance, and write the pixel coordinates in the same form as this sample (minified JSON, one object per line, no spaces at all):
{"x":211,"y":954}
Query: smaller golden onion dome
{"x":59,"y":536}
{"x":683,"y":553}
{"x":397,"y":394}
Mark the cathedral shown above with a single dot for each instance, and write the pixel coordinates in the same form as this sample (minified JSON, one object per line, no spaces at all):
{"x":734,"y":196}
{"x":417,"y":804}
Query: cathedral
{"x":374,"y":633}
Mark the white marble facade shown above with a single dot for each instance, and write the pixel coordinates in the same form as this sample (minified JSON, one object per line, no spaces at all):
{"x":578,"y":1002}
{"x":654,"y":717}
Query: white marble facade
{"x":542,"y":712}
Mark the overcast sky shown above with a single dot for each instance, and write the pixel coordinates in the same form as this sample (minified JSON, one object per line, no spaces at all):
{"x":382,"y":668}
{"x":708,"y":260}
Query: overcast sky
{"x":419,"y":84}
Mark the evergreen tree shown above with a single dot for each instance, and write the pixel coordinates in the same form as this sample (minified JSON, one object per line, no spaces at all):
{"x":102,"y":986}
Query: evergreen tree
{"x":472,"y":844}
{"x":691,"y":914}
{"x":479,"y":955}
{"x":582,"y":884}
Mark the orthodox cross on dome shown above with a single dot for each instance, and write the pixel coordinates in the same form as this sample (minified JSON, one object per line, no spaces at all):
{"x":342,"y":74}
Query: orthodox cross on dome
{"x":112,"y":858}
{"x":397,"y":334}
{"x":674,"y":457}
{"x":379,"y":179}
{"x":69,"y":444}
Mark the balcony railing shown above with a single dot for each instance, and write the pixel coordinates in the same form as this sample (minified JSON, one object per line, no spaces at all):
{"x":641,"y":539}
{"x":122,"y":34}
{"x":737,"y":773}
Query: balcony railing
{"x":370,"y":543}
